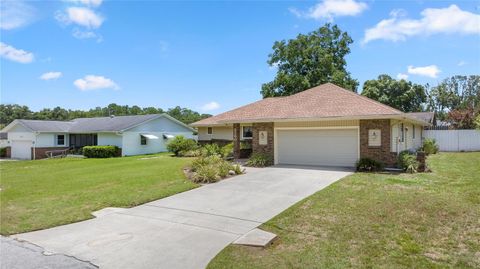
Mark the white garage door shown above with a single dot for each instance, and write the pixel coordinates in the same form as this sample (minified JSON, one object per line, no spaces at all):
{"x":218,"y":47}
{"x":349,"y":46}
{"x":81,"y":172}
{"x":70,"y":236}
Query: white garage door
{"x":328,"y":147}
{"x":21,"y":149}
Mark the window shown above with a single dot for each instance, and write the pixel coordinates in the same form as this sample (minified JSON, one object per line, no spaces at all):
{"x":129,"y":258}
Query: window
{"x":209,"y":130}
{"x":413,"y":130}
{"x":247,"y":132}
{"x":61,"y":140}
{"x":402,"y":133}
{"x":143,"y":140}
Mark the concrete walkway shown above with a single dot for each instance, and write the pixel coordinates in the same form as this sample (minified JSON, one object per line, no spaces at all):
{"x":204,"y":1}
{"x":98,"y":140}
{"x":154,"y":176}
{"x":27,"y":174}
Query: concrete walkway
{"x":188,"y":229}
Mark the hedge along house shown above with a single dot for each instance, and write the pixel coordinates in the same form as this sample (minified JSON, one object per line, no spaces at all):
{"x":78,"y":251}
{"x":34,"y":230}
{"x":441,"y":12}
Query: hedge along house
{"x":326,"y":126}
{"x":143,"y":134}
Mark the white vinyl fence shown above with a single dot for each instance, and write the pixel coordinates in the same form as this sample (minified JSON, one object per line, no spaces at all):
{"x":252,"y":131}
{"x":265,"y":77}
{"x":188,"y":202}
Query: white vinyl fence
{"x":455,"y":140}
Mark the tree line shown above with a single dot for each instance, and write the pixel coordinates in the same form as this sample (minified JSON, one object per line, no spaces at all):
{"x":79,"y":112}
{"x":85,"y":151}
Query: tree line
{"x":319,"y":57}
{"x":8,"y":113}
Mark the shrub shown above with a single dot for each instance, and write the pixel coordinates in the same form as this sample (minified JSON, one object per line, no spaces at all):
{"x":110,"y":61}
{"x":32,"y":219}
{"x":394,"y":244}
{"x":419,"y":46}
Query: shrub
{"x":204,"y":161}
{"x":206,"y":174}
{"x":259,"y":160}
{"x":190,"y":153}
{"x":3,"y":152}
{"x":209,"y":169}
{"x":211,"y":149}
{"x":227,"y":150}
{"x":407,"y":160}
{"x":369,"y":165}
{"x":237,"y":169}
{"x":224,"y":168}
{"x":101,"y":151}
{"x":180,"y":143}
{"x":429,"y":146}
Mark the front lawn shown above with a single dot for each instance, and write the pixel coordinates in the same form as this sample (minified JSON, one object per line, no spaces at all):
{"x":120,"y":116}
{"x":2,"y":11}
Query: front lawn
{"x":429,"y":220}
{"x":46,"y":193}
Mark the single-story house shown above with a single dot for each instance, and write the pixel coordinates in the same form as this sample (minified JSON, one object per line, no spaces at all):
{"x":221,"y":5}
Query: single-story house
{"x":326,"y":125}
{"x":142,"y":134}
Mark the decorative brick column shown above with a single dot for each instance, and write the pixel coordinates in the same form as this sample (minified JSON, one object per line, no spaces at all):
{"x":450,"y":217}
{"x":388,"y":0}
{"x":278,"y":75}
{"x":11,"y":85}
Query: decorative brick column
{"x":236,"y":140}
{"x":269,"y":147}
{"x":380,"y":153}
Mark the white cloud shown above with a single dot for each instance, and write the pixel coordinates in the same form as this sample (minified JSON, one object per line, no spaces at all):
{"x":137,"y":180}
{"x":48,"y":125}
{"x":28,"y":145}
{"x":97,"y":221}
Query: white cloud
{"x":433,"y":21}
{"x":81,"y":16}
{"x":328,"y":9}
{"x":426,"y":71}
{"x":50,"y":75}
{"x":462,"y":63}
{"x":16,"y":55}
{"x":91,"y":3}
{"x":92,"y":82}
{"x":210,"y":106}
{"x":79,"y":34}
{"x":15,"y":14}
{"x":402,"y":76}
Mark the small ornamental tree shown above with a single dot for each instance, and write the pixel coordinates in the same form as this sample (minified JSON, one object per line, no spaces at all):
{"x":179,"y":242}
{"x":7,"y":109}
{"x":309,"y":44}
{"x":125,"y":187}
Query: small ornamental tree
{"x":462,"y":118}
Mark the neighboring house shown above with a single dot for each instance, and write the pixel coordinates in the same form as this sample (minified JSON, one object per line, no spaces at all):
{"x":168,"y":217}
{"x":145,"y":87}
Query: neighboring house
{"x":143,"y":134}
{"x":326,"y":125}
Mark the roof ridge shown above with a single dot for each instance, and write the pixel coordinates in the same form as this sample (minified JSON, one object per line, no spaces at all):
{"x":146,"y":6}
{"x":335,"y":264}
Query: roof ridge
{"x":368,"y":99}
{"x":104,"y":117}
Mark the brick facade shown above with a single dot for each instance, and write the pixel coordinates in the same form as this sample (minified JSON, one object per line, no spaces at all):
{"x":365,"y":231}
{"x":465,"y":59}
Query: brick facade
{"x":269,"y":147}
{"x":380,"y":153}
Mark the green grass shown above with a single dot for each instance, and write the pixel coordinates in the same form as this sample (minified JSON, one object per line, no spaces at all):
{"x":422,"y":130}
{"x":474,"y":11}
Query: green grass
{"x":429,"y":220}
{"x":46,"y":193}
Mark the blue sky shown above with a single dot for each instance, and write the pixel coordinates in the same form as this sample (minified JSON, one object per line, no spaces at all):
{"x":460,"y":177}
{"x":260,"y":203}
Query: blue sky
{"x":211,"y":56}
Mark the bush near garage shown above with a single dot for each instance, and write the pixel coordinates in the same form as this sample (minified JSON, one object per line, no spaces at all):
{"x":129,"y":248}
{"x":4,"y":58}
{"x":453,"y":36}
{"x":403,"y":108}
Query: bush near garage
{"x":429,"y":146}
{"x":101,"y":151}
{"x":259,"y":160}
{"x":407,"y":160}
{"x":369,"y":165}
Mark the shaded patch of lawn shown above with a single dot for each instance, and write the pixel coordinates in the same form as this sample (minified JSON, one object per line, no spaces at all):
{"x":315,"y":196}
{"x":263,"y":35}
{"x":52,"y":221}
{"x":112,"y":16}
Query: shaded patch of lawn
{"x":46,"y":193}
{"x":429,"y":220}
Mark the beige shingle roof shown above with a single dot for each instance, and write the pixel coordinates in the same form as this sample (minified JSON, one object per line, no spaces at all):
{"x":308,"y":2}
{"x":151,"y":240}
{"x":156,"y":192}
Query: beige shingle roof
{"x":324,"y":101}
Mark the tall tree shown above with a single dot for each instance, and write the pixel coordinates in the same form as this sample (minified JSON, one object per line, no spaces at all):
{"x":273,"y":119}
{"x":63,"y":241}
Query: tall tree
{"x":8,"y":113}
{"x":400,"y":94}
{"x":310,"y":60}
{"x":457,"y":92}
{"x":186,"y":115}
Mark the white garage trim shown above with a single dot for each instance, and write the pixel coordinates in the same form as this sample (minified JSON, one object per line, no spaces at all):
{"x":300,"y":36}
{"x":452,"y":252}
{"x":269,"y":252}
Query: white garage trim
{"x":275,"y":136}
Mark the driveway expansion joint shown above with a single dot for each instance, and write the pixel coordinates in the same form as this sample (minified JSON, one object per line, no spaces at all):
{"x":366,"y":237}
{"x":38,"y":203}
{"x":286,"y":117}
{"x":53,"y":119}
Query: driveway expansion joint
{"x":206,"y":213}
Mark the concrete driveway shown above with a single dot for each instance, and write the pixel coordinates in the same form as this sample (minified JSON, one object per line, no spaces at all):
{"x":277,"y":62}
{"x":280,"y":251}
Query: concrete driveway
{"x":188,"y":229}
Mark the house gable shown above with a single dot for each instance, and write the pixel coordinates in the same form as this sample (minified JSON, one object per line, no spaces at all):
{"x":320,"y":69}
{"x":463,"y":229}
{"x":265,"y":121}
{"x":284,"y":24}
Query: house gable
{"x":161,"y":124}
